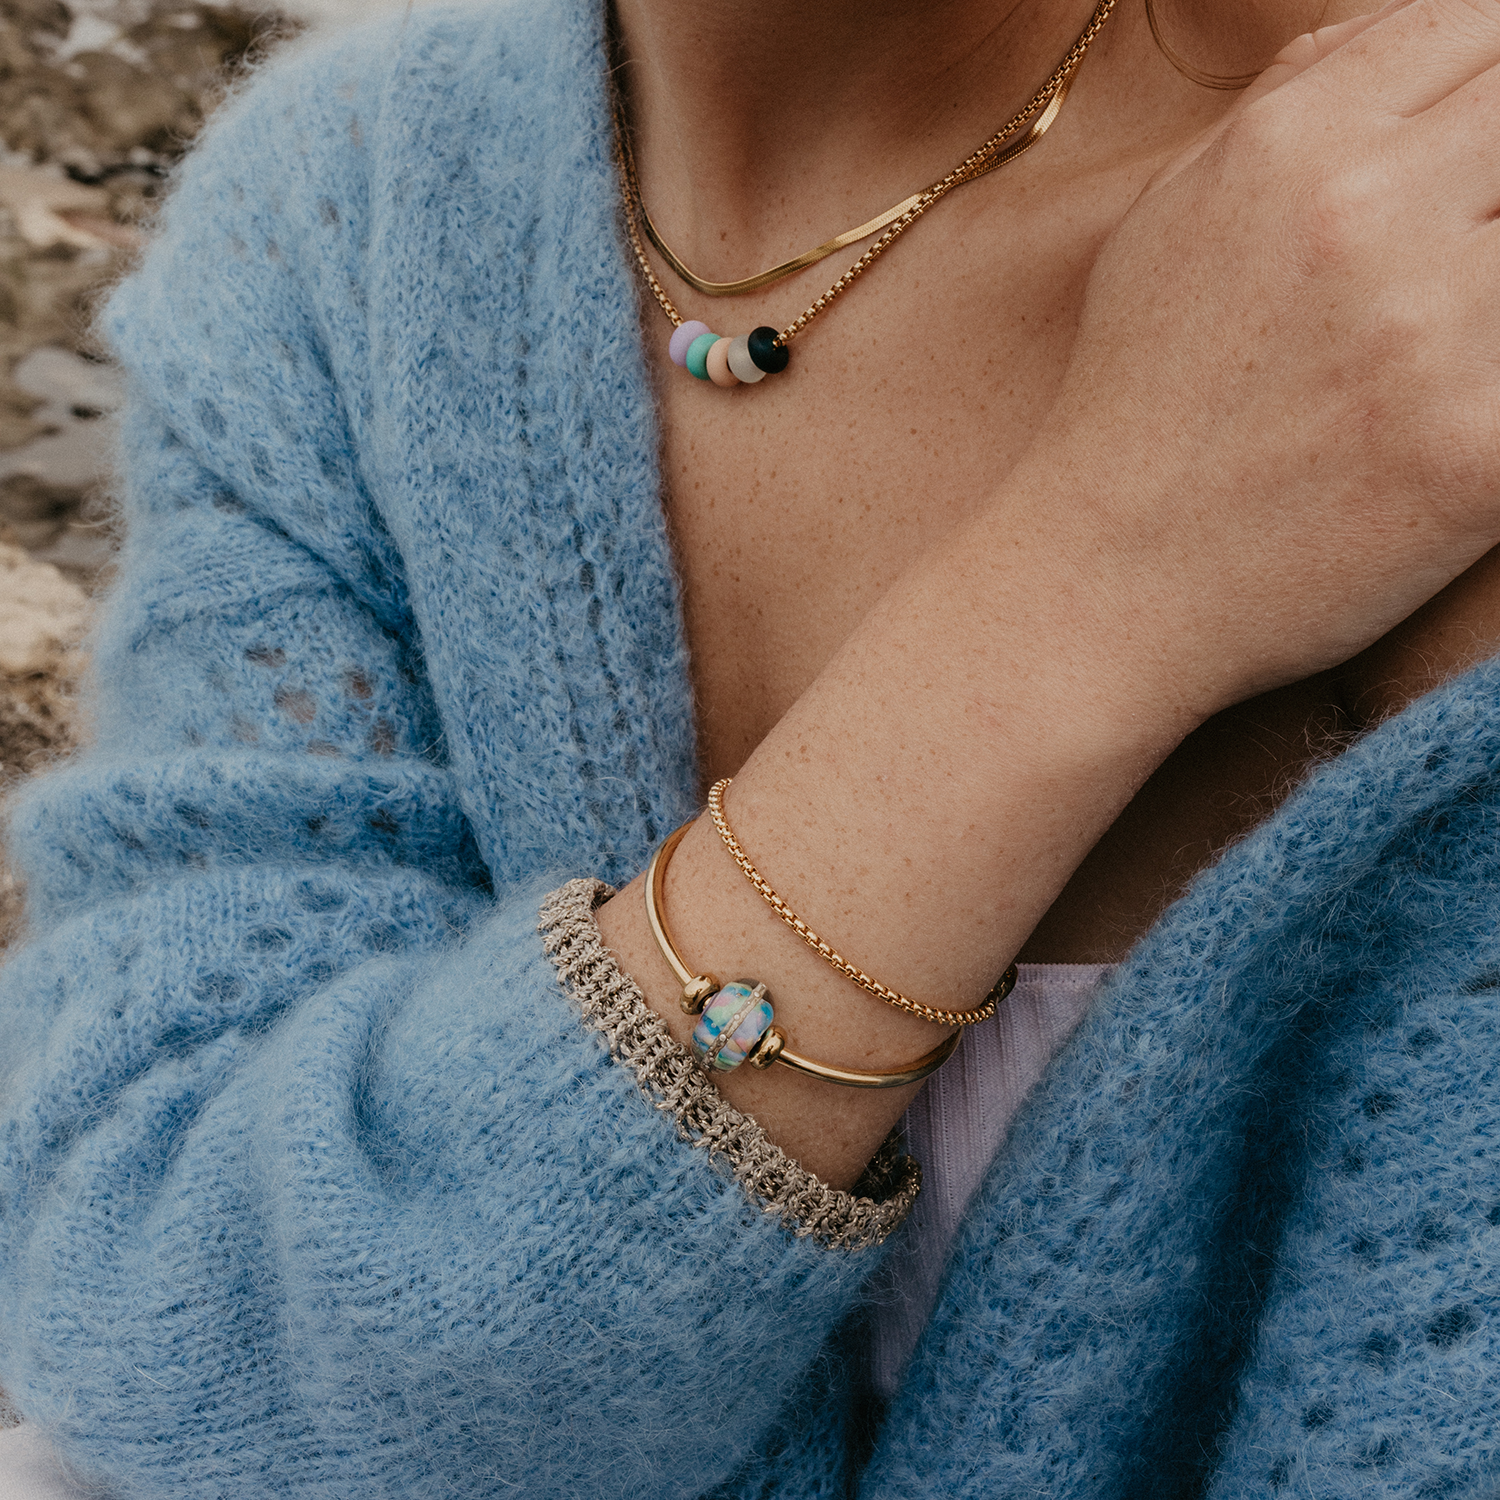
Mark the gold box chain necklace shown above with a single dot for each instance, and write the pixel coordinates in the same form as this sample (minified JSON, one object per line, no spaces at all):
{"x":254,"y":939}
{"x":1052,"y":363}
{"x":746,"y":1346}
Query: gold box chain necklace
{"x":749,"y":358}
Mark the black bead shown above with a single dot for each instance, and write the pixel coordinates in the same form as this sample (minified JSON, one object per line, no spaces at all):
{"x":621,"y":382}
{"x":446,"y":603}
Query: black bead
{"x":765,"y":353}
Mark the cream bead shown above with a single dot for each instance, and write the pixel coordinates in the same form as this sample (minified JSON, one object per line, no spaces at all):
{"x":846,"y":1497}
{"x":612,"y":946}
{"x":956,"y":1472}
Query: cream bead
{"x":740,"y":362}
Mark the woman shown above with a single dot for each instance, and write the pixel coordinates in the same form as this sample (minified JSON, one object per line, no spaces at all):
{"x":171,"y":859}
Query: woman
{"x":1122,"y":486}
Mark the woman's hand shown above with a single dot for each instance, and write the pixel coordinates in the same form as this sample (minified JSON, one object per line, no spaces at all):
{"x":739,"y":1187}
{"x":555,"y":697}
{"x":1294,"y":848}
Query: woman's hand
{"x":1279,"y":435}
{"x":1286,"y":389}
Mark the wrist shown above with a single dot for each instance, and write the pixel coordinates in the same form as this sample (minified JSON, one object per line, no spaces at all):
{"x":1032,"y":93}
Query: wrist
{"x":921,"y":807}
{"x":1127,"y":594}
{"x":720,"y":925}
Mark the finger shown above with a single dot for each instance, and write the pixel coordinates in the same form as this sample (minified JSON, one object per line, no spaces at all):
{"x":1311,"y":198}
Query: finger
{"x":1294,"y":59}
{"x":1456,"y":139}
{"x":1407,"y":61}
{"x":1311,"y":47}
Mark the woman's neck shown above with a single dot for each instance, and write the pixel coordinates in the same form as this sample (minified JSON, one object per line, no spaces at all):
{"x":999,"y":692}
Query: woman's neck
{"x":755,"y":120}
{"x":762,"y":126}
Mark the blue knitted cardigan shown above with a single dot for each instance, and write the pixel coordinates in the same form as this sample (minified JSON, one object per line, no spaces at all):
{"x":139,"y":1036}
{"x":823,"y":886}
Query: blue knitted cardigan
{"x":326,"y":1173}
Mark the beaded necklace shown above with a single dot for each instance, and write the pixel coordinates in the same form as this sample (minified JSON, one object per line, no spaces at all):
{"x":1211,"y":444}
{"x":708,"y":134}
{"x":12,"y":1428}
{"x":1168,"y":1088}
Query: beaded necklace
{"x":729,"y":361}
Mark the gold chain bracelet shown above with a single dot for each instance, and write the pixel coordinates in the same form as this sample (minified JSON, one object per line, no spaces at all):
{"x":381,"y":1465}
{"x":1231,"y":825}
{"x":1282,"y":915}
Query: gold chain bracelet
{"x":1003,"y":986}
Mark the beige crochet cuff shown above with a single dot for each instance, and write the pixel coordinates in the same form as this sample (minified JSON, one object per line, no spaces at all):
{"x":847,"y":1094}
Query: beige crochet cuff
{"x":639,"y":1038}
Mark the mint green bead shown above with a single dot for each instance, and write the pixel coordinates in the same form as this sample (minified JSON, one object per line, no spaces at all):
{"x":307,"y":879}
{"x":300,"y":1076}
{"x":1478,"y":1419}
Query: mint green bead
{"x":697,"y":355}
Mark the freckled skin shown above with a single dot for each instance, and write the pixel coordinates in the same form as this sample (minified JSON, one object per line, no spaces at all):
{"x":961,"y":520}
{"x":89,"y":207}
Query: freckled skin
{"x":796,"y":502}
{"x":1060,"y":592}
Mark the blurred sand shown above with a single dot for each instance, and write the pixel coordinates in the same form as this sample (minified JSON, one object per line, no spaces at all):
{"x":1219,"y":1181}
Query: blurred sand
{"x":98,"y":100}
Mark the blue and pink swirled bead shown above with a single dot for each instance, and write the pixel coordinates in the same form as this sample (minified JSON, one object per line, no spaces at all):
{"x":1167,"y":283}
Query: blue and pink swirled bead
{"x":731,"y":1025}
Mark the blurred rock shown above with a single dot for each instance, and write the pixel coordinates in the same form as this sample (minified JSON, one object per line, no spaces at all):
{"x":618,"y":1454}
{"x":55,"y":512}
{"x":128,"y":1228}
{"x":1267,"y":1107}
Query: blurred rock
{"x":49,"y":211}
{"x":118,"y":90}
{"x":52,"y":488}
{"x":98,"y":100}
{"x":42,"y":619}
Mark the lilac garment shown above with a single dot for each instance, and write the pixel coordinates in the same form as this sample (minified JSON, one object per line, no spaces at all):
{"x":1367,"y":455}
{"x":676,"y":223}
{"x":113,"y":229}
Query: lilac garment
{"x":954,"y":1128}
{"x":31,"y":1470}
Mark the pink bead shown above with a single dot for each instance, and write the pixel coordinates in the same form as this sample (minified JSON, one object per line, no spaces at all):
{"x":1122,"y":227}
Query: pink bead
{"x":682,"y":336}
{"x":718,"y":364}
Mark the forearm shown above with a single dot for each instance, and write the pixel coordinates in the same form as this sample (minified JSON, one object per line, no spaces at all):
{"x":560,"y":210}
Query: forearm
{"x":1162,"y":558}
{"x":923,"y":804}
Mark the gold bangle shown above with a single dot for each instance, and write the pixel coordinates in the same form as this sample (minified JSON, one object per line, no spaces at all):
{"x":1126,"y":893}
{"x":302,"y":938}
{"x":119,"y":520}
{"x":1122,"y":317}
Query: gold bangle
{"x":1003,"y":986}
{"x":698,"y":989}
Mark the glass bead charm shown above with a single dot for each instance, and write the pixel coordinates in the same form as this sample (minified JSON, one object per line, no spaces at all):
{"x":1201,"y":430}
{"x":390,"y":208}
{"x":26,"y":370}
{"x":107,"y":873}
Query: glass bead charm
{"x":733,"y":1021}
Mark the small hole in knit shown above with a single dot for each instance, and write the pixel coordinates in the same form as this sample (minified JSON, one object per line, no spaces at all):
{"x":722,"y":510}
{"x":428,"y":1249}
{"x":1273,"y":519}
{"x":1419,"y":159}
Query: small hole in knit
{"x":244,"y":731}
{"x":1451,"y":1325}
{"x":383,"y":822}
{"x":267,"y":939}
{"x":383,"y":937}
{"x":296,"y":704}
{"x":322,"y":898}
{"x":1432,"y":1233}
{"x":218,"y":988}
{"x":1377,"y":1104}
{"x":383,"y":737}
{"x":1281,"y":1471}
{"x":358,"y":685}
{"x":323,"y":747}
{"x":1319,"y":1414}
{"x":1419,"y":1041}
{"x":266,"y":656}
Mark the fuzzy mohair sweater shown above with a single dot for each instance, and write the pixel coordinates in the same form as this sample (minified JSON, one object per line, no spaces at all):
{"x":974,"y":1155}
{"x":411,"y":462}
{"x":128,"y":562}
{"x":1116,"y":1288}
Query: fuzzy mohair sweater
{"x":326,"y":1173}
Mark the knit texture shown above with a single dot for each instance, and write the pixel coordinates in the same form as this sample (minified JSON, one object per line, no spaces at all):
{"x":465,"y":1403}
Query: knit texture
{"x":315,"y":1180}
{"x":611,"y":1001}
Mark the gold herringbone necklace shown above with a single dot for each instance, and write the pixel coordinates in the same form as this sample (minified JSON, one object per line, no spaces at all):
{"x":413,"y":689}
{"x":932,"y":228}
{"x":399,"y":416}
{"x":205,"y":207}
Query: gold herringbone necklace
{"x":751,"y":357}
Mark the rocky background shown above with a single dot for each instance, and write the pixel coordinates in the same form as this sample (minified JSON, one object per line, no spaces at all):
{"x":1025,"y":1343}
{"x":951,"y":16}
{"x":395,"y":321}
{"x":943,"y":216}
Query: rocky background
{"x":98,"y":99}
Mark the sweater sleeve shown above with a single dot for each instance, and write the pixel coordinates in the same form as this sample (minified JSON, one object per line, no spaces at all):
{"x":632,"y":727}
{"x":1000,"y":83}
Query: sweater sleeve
{"x":323,"y":1170}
